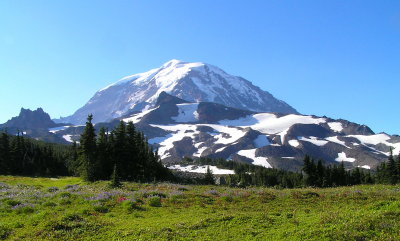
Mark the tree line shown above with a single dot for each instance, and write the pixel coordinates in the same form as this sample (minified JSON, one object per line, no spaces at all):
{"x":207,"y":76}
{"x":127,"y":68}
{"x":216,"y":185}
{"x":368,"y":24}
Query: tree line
{"x":313,"y":174}
{"x":124,"y":154}
{"x":319,"y":175}
{"x":24,"y":156}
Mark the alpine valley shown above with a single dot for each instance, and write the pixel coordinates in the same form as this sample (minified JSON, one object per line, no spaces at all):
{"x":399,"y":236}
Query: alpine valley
{"x":198,"y":110}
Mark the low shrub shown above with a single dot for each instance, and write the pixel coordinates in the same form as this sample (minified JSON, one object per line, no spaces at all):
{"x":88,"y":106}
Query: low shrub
{"x":154,"y":201}
{"x":154,"y":193}
{"x":227,"y":198}
{"x":23,"y":208}
{"x":101,"y":209}
{"x":130,"y":205}
{"x":49,"y":204}
{"x":4,"y":232}
{"x":52,"y":189}
{"x":12,"y":203}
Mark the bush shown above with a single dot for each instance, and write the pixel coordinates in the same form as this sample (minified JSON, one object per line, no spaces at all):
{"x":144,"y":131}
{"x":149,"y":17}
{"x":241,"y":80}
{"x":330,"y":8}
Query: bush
{"x":12,"y":203}
{"x":227,"y":198}
{"x":4,"y":232}
{"x":154,"y":201}
{"x":23,"y":208}
{"x":154,"y":193}
{"x":101,"y":209}
{"x":52,"y":189}
{"x":49,"y":204}
{"x":65,"y":195}
{"x":130,"y":205}
{"x":72,"y":217}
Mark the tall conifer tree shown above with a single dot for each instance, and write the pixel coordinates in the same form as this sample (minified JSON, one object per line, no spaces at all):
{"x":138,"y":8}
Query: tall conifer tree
{"x":88,"y":151}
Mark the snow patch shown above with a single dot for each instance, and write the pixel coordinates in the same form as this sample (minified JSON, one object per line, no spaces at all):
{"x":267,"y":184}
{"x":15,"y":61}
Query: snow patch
{"x":180,"y":131}
{"x":200,"y":151}
{"x":268,"y":123}
{"x":335,"y":126}
{"x":261,"y":141}
{"x":365,"y":167}
{"x":138,"y":117}
{"x":220,"y":149}
{"x":342,"y":157}
{"x":294,"y":143}
{"x":68,"y":138}
{"x":57,"y":129}
{"x":187,"y":113}
{"x":259,"y":161}
{"x":313,"y":140}
{"x":202,"y":169}
{"x":336,"y":140}
{"x":227,"y":135}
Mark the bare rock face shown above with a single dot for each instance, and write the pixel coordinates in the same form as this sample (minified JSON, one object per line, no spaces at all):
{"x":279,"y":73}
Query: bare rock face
{"x":194,"y":82}
{"x":28,"y":119}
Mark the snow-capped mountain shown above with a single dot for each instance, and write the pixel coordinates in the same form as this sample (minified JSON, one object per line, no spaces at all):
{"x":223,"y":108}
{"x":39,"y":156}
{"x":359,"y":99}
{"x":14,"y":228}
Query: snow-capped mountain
{"x":194,"y":82}
{"x":180,"y":128}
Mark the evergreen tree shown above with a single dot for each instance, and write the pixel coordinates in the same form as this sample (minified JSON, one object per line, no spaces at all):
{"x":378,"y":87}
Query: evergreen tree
{"x":88,"y":151}
{"x":320,"y":173}
{"x":115,"y":180}
{"x":120,"y":152}
{"x":132,"y":152}
{"x":391,"y":169}
{"x":103,"y":162}
{"x":209,"y":177}
{"x":73,"y":160}
{"x":310,"y":170}
{"x":341,"y":175}
{"x":17,"y":155}
{"x":5,"y":157}
{"x":398,"y":168}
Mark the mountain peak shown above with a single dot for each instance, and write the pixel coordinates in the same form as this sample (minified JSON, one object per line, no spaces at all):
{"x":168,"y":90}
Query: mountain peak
{"x":191,"y":81}
{"x":30,"y":119}
{"x":172,"y":62}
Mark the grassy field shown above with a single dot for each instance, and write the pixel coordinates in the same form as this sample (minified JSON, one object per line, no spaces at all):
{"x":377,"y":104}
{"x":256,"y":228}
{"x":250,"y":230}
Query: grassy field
{"x":69,"y":209}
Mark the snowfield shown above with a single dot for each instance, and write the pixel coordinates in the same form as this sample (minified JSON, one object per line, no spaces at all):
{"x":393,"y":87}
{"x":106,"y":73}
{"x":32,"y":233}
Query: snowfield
{"x":269,"y":123}
{"x":202,"y":169}
{"x":378,"y":139}
{"x":187,"y":113}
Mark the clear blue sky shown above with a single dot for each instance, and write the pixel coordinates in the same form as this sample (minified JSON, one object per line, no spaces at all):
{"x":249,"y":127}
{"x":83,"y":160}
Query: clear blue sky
{"x":335,"y":58}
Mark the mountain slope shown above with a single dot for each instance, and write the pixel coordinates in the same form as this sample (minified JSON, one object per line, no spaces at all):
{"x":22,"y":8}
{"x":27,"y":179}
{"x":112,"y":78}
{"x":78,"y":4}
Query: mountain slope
{"x":179,"y":129}
{"x":266,"y":139}
{"x":194,"y":82}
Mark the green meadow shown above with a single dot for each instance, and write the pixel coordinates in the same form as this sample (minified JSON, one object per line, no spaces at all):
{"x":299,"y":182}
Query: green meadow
{"x":70,"y":209}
